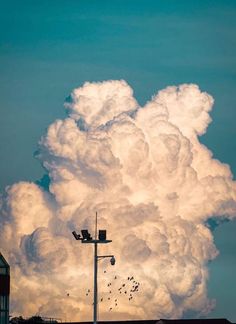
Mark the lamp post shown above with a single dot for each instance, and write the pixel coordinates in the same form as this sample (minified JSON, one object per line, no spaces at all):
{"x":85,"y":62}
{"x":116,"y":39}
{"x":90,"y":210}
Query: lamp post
{"x":87,"y":239}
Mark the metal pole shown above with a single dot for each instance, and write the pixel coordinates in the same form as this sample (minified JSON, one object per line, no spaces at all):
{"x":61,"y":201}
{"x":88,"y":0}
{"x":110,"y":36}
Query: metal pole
{"x":95,"y":291}
{"x":96,"y":226}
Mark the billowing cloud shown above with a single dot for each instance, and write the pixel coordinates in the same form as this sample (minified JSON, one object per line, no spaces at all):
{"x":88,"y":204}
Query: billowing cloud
{"x":154,"y":186}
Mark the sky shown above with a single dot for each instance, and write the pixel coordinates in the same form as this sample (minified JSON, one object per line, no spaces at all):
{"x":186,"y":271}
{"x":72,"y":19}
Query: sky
{"x":49,"y":48}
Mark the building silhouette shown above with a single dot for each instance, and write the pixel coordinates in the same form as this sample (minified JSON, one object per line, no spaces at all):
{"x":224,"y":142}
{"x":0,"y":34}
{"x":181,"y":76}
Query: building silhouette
{"x":4,"y":290}
{"x":40,"y":320}
{"x":162,"y":321}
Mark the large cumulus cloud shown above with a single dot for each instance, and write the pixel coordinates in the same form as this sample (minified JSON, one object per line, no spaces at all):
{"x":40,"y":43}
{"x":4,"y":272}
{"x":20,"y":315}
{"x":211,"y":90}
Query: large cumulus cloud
{"x":154,"y":186}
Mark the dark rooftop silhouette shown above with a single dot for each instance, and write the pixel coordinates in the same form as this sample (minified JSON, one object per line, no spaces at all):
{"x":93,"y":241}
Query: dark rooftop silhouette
{"x":40,"y":320}
{"x":163,"y":321}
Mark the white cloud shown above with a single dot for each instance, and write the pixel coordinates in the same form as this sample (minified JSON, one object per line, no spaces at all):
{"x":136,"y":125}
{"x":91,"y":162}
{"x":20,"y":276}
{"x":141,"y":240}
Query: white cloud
{"x":153,"y":185}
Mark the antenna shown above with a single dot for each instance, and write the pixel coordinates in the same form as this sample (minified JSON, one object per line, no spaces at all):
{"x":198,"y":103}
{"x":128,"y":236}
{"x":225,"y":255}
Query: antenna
{"x":96,"y":226}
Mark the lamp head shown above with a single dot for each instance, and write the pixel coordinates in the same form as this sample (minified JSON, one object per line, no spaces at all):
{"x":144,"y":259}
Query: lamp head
{"x":102,"y":235}
{"x":113,"y":260}
{"x":76,"y":236}
{"x":86,"y":235}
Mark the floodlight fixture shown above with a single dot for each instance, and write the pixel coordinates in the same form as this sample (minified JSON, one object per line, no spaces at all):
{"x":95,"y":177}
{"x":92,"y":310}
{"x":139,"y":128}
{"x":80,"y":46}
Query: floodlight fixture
{"x":86,"y":235}
{"x":76,"y":236}
{"x":102,"y":235}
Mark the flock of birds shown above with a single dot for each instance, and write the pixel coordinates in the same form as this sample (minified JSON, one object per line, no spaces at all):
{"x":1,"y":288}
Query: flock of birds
{"x":128,"y":288}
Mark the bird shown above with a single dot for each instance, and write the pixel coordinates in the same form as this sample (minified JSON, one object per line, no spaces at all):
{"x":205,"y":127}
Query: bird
{"x":104,"y":271}
{"x":115,"y":304}
{"x":123,"y":285}
{"x":68,"y":294}
{"x":115,"y":277}
{"x":110,"y":309}
{"x":110,"y":291}
{"x":101,"y":299}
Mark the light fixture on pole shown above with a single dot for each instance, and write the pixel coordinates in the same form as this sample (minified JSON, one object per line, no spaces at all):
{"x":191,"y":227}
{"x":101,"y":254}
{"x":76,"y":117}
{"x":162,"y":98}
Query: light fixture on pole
{"x":101,"y":239}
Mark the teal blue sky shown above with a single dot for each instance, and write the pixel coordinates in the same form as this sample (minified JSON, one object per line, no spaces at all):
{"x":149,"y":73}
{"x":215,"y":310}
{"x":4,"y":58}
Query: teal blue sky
{"x":47,"y":48}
